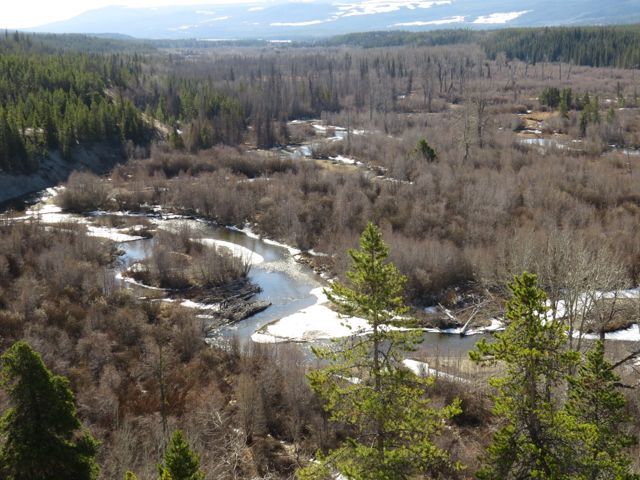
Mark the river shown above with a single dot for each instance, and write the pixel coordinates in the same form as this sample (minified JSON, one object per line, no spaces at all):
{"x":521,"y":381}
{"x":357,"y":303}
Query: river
{"x":286,"y":283}
{"x":290,"y":286}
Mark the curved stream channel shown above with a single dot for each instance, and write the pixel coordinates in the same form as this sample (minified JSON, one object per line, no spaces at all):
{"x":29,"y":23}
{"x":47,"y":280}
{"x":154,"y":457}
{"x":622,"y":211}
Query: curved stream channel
{"x":286,"y":283}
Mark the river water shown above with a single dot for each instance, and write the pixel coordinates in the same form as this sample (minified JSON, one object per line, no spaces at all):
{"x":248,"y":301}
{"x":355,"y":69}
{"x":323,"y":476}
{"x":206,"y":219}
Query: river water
{"x":286,"y":283}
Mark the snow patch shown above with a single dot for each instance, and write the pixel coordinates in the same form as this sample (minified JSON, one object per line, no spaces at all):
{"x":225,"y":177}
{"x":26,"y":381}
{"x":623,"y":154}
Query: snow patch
{"x":246,"y":230}
{"x":113,"y":234}
{"x":442,"y":21}
{"x":132,"y":281}
{"x":44,"y":209}
{"x":200,"y":306}
{"x":211,"y":20}
{"x":345,"y":160}
{"x":236,"y":250}
{"x":495,"y":326}
{"x":317,"y":322}
{"x":372,"y":7}
{"x":585,"y":302}
{"x":49,"y":213}
{"x":498,"y":18}
{"x":251,"y":234}
{"x":313,"y":253}
{"x":296,"y":24}
{"x":631,"y":334}
{"x":422,"y":369}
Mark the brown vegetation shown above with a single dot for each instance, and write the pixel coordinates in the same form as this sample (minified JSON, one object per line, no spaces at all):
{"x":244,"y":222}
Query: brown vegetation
{"x":459,"y":227}
{"x":180,"y":261}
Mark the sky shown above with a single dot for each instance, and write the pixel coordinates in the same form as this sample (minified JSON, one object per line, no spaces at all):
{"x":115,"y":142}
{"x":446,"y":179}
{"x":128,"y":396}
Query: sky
{"x":32,"y":13}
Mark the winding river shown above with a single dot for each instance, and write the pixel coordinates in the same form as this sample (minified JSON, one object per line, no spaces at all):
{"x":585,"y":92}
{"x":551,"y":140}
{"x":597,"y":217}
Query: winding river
{"x":289,"y":285}
{"x":286,"y":283}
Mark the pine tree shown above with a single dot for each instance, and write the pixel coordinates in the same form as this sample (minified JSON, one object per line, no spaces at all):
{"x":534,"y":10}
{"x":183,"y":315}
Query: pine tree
{"x":366,"y":385}
{"x":537,"y":436}
{"x":563,"y":108}
{"x":596,"y":404}
{"x":428,"y":153}
{"x":180,"y":462}
{"x":584,"y":122}
{"x":41,"y":430}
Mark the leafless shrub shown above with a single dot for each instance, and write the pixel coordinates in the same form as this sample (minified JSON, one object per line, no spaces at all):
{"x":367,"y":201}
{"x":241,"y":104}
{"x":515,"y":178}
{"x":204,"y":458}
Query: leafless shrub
{"x":84,"y":192}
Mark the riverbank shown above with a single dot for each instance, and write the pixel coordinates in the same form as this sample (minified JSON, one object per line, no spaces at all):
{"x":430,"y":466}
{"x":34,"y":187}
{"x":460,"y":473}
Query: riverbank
{"x":54,"y":169}
{"x":275,"y":315}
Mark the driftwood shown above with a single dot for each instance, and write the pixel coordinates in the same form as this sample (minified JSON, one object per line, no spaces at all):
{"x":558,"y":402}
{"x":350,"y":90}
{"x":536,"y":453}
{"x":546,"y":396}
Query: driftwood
{"x":229,"y":293}
{"x":233,"y":300}
{"x":235,"y":313}
{"x":241,"y":309}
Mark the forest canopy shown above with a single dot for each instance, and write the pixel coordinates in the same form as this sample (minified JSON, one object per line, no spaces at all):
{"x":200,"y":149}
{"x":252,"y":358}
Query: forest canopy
{"x":53,"y":102}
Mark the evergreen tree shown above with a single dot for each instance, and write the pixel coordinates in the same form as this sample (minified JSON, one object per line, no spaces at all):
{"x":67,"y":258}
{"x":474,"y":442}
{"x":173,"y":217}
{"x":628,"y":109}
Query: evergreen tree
{"x":596,"y":404}
{"x":550,"y":97}
{"x":180,"y":462}
{"x":584,"y":122}
{"x":538,"y":436}
{"x":595,"y":110}
{"x":563,"y":108}
{"x":566,"y":102}
{"x":40,"y":432}
{"x":366,"y":385}
{"x":428,"y":153}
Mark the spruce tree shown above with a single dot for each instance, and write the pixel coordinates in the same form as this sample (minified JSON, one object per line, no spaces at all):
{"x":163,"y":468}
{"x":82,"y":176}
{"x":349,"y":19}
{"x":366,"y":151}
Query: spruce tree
{"x":41,"y":432}
{"x":600,"y":410}
{"x":180,"y":462}
{"x":538,"y":435}
{"x":365,"y":385}
{"x":426,"y":151}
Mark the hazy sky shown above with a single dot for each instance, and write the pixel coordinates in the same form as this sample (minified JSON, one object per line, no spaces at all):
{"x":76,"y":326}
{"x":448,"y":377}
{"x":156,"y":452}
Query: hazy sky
{"x":31,"y":13}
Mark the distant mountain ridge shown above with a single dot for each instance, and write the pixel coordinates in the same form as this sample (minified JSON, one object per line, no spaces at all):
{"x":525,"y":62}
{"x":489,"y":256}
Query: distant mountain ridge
{"x":303,"y":19}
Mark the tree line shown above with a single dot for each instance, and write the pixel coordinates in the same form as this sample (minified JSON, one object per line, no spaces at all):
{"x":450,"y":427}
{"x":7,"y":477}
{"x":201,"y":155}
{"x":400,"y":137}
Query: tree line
{"x":614,"y":46}
{"x":609,"y":46}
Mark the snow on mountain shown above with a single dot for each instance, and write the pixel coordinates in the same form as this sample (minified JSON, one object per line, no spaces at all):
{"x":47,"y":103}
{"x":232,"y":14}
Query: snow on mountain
{"x":297,"y":19}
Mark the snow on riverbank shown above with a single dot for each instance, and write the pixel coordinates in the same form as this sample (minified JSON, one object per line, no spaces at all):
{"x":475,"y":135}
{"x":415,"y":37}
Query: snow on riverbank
{"x":210,"y":307}
{"x":496,"y":326}
{"x":122,"y":278}
{"x":345,"y":160}
{"x":246,"y":230}
{"x":422,"y":369}
{"x":53,"y":214}
{"x":631,"y":334}
{"x":317,"y":322}
{"x":586,"y":301}
{"x":50,"y":213}
{"x":236,"y":250}
{"x":114,"y":234}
